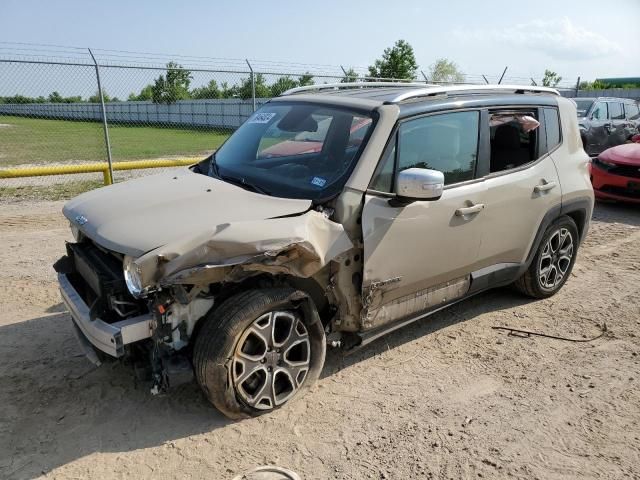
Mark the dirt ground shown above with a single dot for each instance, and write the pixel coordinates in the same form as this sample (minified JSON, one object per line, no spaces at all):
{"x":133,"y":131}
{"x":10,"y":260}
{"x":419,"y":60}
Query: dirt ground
{"x":447,"y":397}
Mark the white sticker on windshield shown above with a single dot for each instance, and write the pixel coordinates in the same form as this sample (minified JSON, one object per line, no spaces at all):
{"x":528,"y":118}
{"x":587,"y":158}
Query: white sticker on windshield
{"x":318,"y":181}
{"x":261,"y":117}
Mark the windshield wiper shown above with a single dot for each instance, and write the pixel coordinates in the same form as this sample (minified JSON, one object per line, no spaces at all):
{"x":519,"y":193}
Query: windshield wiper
{"x":241,"y":182}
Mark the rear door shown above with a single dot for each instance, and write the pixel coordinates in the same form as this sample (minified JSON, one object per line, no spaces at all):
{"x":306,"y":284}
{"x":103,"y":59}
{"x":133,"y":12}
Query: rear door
{"x":521,"y":187}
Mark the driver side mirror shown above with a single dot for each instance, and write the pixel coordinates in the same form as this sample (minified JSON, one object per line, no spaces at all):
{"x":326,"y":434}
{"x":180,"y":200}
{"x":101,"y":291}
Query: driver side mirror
{"x":419,"y":184}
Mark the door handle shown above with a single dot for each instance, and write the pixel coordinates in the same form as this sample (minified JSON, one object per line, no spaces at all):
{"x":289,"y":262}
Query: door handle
{"x":470,"y":210}
{"x":545,"y":187}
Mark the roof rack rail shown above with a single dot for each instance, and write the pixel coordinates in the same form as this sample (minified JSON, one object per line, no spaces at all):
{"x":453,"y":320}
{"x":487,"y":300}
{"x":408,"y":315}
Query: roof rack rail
{"x":445,"y":89}
{"x":352,"y":85}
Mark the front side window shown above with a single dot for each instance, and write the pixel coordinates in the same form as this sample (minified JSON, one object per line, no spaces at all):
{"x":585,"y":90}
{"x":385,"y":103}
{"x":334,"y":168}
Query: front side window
{"x":615,"y":111}
{"x":600,"y":111}
{"x":294,"y":150}
{"x":446,"y":142}
{"x":583,"y":106}
{"x":633,"y":111}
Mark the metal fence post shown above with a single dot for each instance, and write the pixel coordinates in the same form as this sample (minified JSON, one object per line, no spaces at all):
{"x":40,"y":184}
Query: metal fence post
{"x":253,"y":85}
{"x":105,"y":127}
{"x":426,"y":80}
{"x":577,"y":86}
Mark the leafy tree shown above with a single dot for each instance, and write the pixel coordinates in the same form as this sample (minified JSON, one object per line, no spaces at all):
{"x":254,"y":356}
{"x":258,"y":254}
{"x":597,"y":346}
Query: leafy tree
{"x":210,"y":90}
{"x":55,"y":97}
{"x":245,"y":92}
{"x":229,"y":91}
{"x":349,"y":76}
{"x":445,"y":71}
{"x":172,"y":86}
{"x":398,"y":62}
{"x":282,"y":85}
{"x":551,"y":79}
{"x":145,"y":94}
{"x":306,"y":79}
{"x":96,"y":98}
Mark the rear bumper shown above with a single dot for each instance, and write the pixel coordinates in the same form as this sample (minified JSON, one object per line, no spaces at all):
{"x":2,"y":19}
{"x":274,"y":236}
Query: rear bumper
{"x":98,"y":334}
{"x":613,"y":187}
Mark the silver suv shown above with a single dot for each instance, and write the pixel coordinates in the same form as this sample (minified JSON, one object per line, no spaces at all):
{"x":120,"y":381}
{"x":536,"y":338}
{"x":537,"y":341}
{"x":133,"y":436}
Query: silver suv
{"x":335,"y":214}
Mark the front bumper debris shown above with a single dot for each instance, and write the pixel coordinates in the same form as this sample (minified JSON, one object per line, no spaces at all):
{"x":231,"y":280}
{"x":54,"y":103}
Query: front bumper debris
{"x":108,"y":338}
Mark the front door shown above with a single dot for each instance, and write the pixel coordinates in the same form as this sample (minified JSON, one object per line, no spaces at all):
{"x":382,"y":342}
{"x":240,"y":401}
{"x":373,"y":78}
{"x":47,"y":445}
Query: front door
{"x":420,"y":255}
{"x":599,"y":130}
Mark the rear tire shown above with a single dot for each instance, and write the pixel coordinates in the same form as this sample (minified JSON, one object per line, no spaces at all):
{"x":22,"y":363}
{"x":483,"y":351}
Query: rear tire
{"x":553,"y":262}
{"x":258,"y":351}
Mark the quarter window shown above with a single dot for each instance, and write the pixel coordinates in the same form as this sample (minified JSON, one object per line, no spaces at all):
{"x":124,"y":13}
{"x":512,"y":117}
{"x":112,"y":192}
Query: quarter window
{"x":600,"y":111}
{"x":552,"y":127}
{"x":615,"y":111}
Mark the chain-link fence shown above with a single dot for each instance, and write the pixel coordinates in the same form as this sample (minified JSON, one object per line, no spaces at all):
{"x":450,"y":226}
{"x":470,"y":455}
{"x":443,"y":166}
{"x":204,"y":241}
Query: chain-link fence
{"x":149,"y":112}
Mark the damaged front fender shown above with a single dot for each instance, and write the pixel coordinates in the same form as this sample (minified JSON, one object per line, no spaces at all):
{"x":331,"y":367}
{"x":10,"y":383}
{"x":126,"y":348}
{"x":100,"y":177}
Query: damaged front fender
{"x":299,"y":246}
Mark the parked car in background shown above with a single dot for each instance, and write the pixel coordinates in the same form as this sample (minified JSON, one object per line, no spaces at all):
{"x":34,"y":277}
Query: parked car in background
{"x":606,"y":122}
{"x":615,"y":173}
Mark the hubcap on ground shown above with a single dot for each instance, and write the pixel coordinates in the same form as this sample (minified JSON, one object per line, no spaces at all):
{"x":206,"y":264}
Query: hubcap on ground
{"x":555,"y":259}
{"x":271,"y":360}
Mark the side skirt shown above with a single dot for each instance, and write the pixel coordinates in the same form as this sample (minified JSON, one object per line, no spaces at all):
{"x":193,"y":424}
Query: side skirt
{"x":481,"y":280}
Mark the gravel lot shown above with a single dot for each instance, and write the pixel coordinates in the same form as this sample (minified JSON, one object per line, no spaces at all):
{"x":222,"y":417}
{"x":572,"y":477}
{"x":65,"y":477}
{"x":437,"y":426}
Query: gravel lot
{"x":445,"y":398}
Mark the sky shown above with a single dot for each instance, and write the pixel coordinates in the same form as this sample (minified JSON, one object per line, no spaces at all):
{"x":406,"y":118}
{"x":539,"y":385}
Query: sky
{"x":586,"y":38}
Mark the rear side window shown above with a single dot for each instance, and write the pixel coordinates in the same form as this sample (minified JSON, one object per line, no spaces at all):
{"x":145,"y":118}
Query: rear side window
{"x":552,"y":128}
{"x":514,"y":138}
{"x":633,"y":111}
{"x":615,"y":111}
{"x":600,"y":111}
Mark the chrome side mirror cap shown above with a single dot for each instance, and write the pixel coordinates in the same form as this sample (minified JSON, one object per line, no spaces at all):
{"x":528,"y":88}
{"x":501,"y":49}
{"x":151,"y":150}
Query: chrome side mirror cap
{"x":419,"y":184}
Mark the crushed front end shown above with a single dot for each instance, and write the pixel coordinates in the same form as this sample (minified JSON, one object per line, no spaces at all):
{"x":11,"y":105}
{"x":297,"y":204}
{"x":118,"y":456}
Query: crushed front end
{"x":110,"y":323}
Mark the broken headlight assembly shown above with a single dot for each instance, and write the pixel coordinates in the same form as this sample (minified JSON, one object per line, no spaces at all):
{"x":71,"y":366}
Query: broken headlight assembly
{"x":132,"y":276}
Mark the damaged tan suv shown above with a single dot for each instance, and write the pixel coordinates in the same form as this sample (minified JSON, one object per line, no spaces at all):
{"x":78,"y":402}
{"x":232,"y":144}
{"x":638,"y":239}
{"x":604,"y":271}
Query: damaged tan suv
{"x":333,"y":215}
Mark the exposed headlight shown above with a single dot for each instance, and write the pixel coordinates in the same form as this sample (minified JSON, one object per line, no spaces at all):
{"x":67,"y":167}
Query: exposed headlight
{"x":132,"y":276}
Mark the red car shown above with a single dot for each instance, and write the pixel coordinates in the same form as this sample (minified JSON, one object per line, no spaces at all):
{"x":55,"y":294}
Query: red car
{"x":615,"y":173}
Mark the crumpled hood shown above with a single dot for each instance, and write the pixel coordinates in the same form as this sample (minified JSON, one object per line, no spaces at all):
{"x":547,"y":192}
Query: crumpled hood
{"x":140,"y":215}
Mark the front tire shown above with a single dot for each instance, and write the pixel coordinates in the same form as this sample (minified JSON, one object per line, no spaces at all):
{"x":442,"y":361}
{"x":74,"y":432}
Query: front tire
{"x":259,"y":350}
{"x":553,"y":261}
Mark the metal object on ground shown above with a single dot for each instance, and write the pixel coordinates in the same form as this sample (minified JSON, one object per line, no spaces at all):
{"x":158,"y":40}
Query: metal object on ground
{"x":268,"y":472}
{"x":527,"y":333}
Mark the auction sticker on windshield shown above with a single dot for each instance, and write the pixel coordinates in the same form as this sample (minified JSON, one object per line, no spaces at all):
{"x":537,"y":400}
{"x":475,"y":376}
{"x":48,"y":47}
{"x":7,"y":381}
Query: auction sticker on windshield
{"x":261,"y":117}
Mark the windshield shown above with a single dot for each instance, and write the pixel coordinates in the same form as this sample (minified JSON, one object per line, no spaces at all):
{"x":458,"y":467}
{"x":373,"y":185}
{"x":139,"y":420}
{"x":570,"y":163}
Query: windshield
{"x":294,"y":150}
{"x":583,"y":107}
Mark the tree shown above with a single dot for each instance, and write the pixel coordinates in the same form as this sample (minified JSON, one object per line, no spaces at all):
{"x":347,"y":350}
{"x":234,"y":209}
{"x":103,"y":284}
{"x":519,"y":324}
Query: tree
{"x":551,"y":79}
{"x":173,"y":86}
{"x":55,"y":97}
{"x":306,"y":79}
{"x":210,"y":90}
{"x":349,"y":76}
{"x":282,"y":85}
{"x":96,"y":97}
{"x":398,"y":62}
{"x":245,"y":90}
{"x":445,"y":71}
{"x":145,"y":94}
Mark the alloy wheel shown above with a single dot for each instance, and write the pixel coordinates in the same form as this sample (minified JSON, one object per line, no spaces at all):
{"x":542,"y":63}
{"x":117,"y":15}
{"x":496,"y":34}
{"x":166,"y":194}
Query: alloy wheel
{"x":271,"y":360}
{"x":555,"y":259}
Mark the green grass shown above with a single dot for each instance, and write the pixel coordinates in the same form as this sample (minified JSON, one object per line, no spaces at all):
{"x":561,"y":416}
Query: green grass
{"x":42,"y":141}
{"x":59,"y":191}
